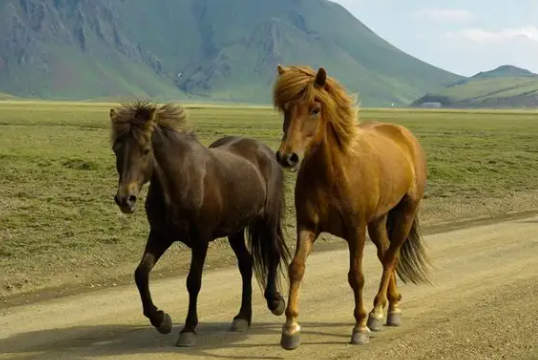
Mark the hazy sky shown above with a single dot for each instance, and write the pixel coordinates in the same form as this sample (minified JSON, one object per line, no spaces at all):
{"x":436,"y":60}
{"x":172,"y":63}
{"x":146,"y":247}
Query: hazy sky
{"x":462,"y":36}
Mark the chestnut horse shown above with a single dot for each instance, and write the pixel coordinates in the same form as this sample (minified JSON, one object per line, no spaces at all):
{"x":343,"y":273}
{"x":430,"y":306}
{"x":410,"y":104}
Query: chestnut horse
{"x":197,"y":194}
{"x":351,"y":177}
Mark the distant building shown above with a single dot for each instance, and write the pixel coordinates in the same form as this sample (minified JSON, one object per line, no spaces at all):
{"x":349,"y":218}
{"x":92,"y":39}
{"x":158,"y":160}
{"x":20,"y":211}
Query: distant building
{"x":431,"y":104}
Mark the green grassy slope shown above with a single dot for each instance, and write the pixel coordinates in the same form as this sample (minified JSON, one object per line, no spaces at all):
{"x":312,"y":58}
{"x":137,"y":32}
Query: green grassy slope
{"x":504,"y":71}
{"x":506,"y":86}
{"x":225,"y":50}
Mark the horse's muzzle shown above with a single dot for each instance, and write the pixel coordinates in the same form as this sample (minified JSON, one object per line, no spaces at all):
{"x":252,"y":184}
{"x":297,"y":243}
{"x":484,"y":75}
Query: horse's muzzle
{"x":288,"y":160}
{"x":126,"y":203}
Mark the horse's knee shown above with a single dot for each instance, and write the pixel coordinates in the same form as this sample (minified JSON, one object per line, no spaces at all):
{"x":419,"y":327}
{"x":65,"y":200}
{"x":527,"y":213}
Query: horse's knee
{"x":141,"y":273}
{"x":355,"y":279}
{"x":296,"y":270}
{"x":194,"y":283}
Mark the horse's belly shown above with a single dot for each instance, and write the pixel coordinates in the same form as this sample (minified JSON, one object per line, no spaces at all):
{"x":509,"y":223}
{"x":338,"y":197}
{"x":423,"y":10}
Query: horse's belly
{"x":241,"y":204}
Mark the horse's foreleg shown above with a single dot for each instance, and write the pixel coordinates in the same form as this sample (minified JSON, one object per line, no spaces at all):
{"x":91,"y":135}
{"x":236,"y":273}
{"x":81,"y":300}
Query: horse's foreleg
{"x":378,"y":234}
{"x":194,"y":283}
{"x":361,"y":333}
{"x":155,"y":247}
{"x":291,"y":332}
{"x":244,"y":261}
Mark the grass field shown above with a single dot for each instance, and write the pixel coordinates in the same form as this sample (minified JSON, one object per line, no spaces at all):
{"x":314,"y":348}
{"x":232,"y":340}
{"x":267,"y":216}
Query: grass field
{"x":59,"y":224}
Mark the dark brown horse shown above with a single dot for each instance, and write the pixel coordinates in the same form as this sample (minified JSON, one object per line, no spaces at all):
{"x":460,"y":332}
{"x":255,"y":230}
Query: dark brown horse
{"x":197,"y":194}
{"x":352,"y":177}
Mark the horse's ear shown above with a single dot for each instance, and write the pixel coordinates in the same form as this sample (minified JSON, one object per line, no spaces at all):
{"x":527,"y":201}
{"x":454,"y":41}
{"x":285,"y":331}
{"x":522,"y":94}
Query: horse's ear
{"x":281,"y":69}
{"x":321,"y":77}
{"x":112,"y":113}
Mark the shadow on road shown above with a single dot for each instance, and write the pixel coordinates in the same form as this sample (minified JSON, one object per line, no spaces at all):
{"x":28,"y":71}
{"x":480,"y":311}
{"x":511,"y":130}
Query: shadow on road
{"x":116,"y":340}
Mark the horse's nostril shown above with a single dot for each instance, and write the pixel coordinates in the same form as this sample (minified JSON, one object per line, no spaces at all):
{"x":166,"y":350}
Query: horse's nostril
{"x":132,"y":199}
{"x":294,"y":159}
{"x":278,"y":157}
{"x":116,"y":199}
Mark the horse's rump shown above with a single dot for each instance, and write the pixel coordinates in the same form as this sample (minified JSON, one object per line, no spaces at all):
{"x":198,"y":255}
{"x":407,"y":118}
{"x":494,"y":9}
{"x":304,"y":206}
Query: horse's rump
{"x":265,"y":235}
{"x":237,"y":149}
{"x":240,"y":177}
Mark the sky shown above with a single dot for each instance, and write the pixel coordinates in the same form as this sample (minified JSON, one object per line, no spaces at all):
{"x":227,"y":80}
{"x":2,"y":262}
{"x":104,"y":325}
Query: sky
{"x":462,"y":36}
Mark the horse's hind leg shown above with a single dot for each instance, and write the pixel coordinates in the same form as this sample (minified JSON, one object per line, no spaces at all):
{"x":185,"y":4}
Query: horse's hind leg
{"x":155,"y":247}
{"x":275,"y":300}
{"x":268,"y":249}
{"x":243,"y":319}
{"x":194,"y":283}
{"x":403,"y":221}
{"x":378,"y":234}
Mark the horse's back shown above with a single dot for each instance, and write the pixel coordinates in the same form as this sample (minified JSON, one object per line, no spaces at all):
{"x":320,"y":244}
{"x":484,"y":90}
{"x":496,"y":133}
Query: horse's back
{"x":256,"y":152}
{"x":247,"y":166}
{"x":241,"y":145}
{"x":397,"y":135}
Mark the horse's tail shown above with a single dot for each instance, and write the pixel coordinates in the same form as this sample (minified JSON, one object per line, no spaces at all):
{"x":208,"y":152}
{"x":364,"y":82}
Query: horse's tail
{"x":266,"y":237}
{"x":413,"y":264}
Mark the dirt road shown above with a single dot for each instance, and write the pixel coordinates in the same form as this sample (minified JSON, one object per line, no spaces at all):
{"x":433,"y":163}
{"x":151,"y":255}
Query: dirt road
{"x":483,"y":306}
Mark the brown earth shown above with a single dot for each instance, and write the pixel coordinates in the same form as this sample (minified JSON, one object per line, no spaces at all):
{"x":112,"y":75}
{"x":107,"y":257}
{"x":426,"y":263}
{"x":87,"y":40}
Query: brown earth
{"x":481,"y":307}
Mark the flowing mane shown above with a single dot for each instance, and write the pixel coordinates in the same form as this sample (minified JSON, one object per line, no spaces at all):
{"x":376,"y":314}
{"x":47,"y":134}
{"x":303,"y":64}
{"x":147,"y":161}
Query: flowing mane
{"x":141,"y":117}
{"x":297,"y":83}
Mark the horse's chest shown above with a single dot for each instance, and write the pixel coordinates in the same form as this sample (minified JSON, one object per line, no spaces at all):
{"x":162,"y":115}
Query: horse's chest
{"x":329,"y":213}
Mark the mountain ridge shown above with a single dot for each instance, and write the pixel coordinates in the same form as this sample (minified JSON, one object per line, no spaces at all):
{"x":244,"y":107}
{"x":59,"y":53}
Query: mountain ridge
{"x":200,"y":49}
{"x":506,"y":86}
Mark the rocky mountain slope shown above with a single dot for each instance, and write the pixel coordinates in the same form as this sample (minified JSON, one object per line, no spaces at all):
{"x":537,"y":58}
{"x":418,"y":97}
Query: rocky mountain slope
{"x":222,"y":50}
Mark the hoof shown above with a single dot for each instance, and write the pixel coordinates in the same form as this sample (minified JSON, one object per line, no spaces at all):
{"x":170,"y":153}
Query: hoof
{"x":186,"y":339}
{"x":280,"y":308}
{"x":375,"y":323}
{"x":290,"y":342}
{"x":240,"y":325}
{"x":394,"y":319}
{"x":360,"y":338}
{"x":166,"y":324}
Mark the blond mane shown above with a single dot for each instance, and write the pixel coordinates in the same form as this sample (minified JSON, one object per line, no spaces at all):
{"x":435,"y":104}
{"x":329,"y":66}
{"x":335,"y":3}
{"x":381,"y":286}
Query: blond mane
{"x":297,"y":83}
{"x":141,"y":117}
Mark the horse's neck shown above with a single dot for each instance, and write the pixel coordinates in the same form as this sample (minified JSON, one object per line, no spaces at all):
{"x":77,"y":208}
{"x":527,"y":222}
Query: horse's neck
{"x":326,"y":162}
{"x":175,"y":157}
{"x":168,"y":145}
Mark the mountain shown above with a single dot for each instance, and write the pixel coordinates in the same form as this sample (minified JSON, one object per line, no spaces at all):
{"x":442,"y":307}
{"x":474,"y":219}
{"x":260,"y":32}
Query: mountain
{"x":4,"y":96}
{"x":221,"y":50}
{"x":504,"y":87}
{"x":505,"y":71}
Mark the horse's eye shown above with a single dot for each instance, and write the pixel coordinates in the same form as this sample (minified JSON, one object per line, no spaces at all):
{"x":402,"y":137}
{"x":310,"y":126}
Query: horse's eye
{"x":145,"y":152}
{"x":314,"y":114}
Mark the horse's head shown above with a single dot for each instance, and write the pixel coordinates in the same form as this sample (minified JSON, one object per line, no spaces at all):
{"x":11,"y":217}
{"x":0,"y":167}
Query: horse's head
{"x":295,"y":96}
{"x":132,"y":128}
{"x":316,"y":109}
